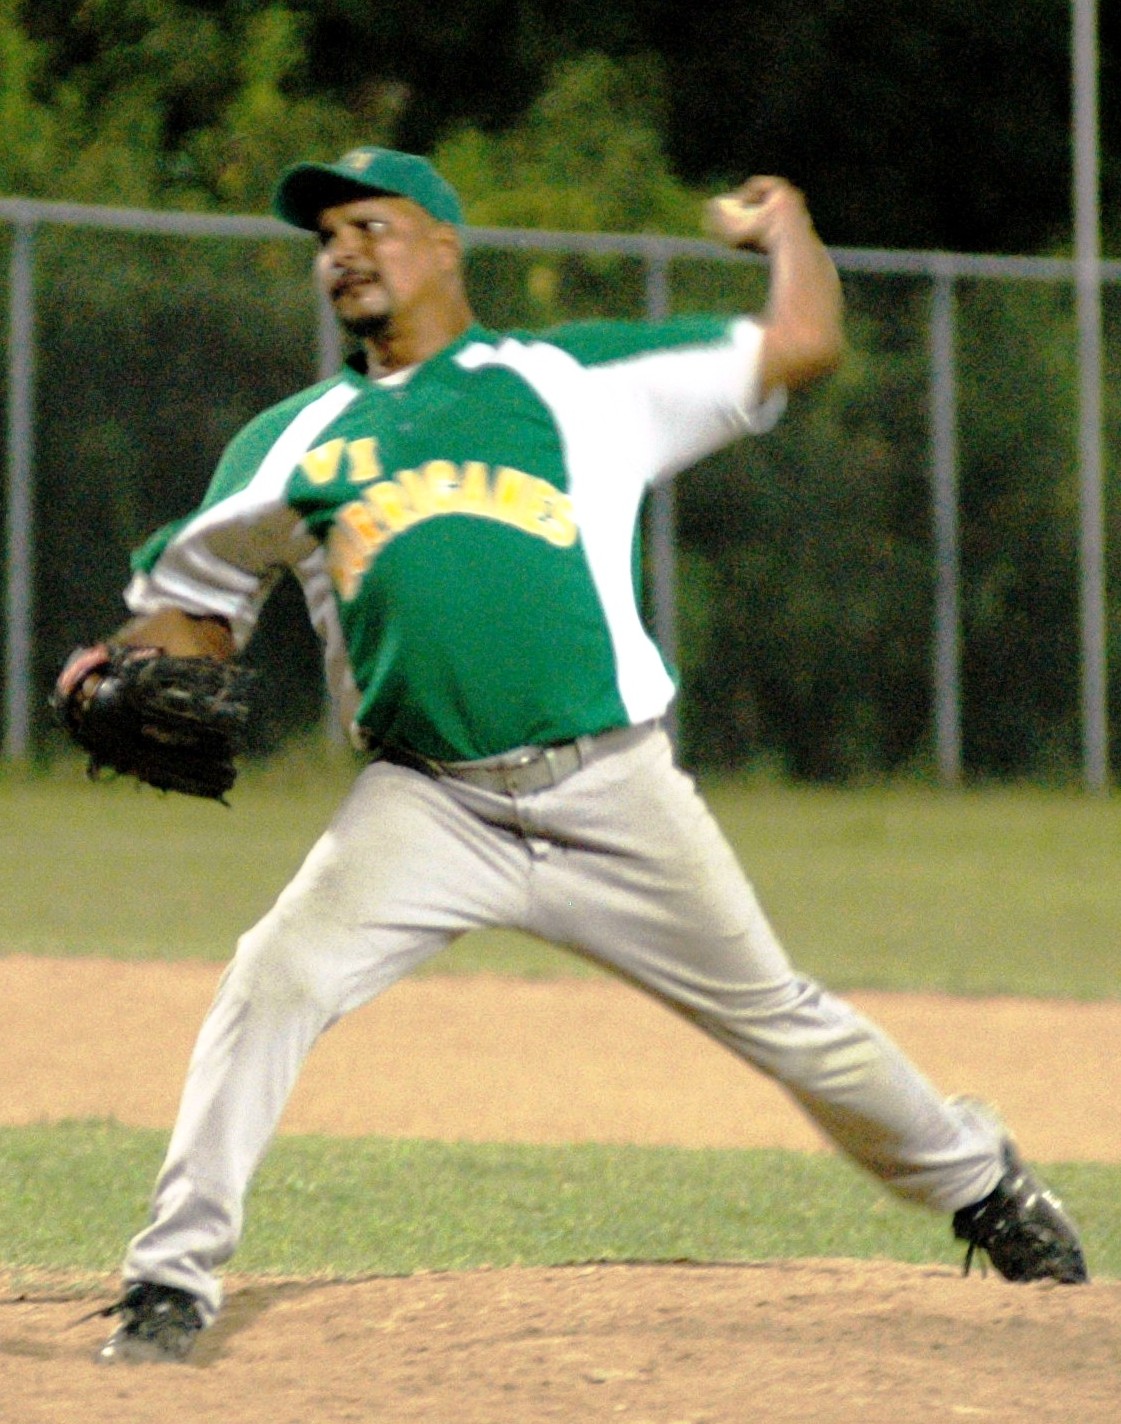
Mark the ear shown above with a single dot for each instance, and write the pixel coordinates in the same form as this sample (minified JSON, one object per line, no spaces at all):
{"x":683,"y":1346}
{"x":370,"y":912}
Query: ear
{"x":450,"y":246}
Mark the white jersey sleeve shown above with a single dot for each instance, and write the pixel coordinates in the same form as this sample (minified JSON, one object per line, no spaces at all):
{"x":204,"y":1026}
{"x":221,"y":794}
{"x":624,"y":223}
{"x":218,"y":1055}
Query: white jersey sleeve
{"x":694,"y":400}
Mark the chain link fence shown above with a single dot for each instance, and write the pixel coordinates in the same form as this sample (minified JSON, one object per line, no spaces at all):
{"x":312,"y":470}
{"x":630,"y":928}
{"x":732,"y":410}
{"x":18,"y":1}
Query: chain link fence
{"x":891,"y":580}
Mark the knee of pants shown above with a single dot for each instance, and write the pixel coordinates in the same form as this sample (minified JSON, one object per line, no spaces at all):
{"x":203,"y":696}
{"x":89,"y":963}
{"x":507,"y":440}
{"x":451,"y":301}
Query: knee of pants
{"x":275,"y":965}
{"x":793,"y":1029}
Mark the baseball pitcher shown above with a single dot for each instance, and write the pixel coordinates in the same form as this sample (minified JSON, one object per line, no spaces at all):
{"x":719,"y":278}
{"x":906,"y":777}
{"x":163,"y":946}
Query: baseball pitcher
{"x":460,"y":507}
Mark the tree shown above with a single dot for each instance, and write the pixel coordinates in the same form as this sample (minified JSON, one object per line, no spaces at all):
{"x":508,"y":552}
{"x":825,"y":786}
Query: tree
{"x":806,"y":586}
{"x":30,"y":147}
{"x":912,"y":123}
{"x":587,"y":157}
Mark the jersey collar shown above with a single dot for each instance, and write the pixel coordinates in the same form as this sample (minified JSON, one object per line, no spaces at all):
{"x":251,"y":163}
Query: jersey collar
{"x":355,"y":370}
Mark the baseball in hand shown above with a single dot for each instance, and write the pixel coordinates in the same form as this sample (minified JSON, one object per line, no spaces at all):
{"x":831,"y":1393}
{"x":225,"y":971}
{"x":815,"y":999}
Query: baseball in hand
{"x":730,"y":219}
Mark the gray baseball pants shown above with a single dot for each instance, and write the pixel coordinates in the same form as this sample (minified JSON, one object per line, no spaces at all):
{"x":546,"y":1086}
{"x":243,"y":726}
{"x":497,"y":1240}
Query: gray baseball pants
{"x":621,"y":861}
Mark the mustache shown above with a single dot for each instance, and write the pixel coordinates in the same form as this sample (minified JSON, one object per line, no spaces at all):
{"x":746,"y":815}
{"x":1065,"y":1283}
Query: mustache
{"x":345,"y":278}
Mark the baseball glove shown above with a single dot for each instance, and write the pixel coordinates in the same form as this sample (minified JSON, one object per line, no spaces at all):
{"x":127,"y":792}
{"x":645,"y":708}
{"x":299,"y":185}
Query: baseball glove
{"x":172,"y":722}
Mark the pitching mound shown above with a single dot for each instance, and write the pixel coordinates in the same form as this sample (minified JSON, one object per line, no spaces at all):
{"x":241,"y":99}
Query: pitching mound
{"x":831,"y":1342}
{"x":820,"y":1342}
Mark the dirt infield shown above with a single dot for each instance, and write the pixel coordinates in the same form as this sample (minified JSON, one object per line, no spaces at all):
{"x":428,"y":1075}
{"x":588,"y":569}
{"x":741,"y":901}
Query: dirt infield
{"x":491,"y":1059}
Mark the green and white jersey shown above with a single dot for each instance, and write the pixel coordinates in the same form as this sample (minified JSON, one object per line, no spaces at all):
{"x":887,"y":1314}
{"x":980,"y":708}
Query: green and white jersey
{"x":466,"y":538}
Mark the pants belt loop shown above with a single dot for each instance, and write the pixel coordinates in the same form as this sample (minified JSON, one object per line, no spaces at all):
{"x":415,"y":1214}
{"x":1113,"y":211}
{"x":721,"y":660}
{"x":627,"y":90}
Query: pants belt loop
{"x":552,"y":758}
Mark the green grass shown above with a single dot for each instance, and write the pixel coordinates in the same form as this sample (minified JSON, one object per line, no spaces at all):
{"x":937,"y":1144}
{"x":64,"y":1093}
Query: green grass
{"x":1009,"y":890}
{"x":1006,"y":890}
{"x":71,"y":1196}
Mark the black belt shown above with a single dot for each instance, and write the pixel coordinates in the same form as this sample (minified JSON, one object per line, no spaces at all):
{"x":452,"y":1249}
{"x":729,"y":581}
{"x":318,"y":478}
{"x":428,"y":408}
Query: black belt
{"x":527,"y":769}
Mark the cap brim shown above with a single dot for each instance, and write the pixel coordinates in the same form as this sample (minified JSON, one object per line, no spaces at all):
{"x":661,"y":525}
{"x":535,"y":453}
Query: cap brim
{"x":305,"y":190}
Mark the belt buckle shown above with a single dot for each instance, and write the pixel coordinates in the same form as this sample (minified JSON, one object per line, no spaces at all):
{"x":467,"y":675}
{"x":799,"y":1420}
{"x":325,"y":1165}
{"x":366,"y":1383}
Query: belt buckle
{"x":511,"y":772}
{"x":538,"y":768}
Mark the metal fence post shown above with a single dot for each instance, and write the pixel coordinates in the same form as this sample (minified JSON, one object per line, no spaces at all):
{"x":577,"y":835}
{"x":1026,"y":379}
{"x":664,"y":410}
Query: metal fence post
{"x":1088,"y":304}
{"x":663,"y":554}
{"x":947,"y":571}
{"x":21,"y":377}
{"x":328,"y":342}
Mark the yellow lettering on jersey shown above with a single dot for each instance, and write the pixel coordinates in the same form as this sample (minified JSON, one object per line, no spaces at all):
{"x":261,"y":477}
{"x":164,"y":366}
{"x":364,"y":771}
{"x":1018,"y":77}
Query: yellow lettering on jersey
{"x":533,"y":505}
{"x":322,"y":464}
{"x":530,"y":508}
{"x":442,"y":484}
{"x":416,"y":487}
{"x":391,"y":506}
{"x":545,"y":512}
{"x":350,"y":547}
{"x":557,"y":523}
{"x":506,"y":494}
{"x":364,"y":461}
{"x":438,"y":487}
{"x":474,"y":489}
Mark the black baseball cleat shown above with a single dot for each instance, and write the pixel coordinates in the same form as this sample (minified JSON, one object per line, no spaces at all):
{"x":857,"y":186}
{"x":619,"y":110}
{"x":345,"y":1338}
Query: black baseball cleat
{"x":158,"y":1326}
{"x":1022,"y":1228}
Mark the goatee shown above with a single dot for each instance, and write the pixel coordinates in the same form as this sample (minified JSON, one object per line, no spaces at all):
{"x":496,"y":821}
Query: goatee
{"x":367,"y":327}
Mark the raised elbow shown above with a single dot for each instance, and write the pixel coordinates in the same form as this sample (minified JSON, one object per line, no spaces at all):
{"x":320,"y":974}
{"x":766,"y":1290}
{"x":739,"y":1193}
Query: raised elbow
{"x":797,"y":357}
{"x":822,"y":353}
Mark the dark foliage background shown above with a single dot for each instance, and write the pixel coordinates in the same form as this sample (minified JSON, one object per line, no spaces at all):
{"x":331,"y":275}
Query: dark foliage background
{"x":806,"y":580}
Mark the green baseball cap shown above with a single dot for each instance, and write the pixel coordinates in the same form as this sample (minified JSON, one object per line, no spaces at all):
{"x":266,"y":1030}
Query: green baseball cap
{"x":305,"y":189}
